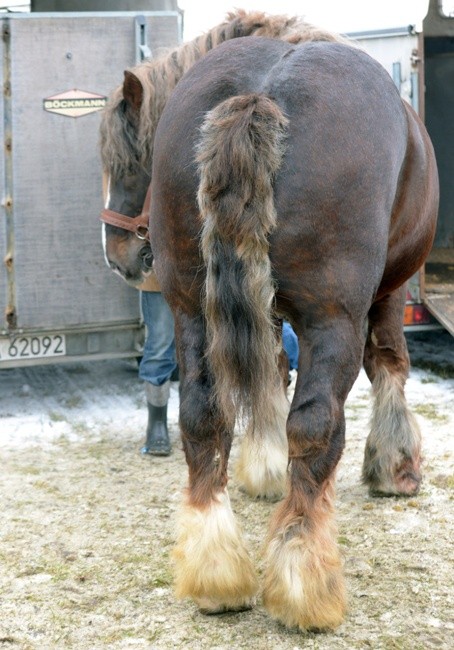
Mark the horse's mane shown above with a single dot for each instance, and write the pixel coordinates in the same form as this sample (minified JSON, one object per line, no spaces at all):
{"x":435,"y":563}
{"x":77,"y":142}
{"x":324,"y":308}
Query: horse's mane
{"x":122,"y":144}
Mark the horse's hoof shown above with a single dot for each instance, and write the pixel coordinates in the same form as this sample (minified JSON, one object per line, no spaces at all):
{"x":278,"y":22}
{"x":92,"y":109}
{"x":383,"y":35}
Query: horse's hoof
{"x":273,"y":496}
{"x":405,"y":485}
{"x":210,"y":607}
{"x":303,"y":582}
{"x":404,"y":481}
{"x":306,"y":590}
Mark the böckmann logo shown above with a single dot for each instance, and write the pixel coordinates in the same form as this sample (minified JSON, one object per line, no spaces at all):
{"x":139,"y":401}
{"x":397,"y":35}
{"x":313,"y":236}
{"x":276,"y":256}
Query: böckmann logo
{"x":74,"y":103}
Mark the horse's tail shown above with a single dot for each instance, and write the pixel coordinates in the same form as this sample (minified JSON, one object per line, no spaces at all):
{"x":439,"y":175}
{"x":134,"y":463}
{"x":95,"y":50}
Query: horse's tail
{"x":240,"y":151}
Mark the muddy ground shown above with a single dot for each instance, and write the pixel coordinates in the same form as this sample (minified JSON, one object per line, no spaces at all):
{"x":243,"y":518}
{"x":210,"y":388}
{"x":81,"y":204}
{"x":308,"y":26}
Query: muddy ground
{"x":87,"y":524}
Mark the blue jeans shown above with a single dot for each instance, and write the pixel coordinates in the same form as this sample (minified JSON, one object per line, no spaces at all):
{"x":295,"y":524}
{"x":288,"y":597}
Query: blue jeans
{"x":159,"y":359}
{"x":290,"y":344}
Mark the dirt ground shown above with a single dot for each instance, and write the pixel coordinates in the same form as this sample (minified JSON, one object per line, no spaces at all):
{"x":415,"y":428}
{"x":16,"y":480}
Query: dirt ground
{"x":87,"y":524}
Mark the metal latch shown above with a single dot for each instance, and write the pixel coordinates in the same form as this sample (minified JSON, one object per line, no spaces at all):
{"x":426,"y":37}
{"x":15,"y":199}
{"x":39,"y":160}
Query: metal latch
{"x":142,"y":48}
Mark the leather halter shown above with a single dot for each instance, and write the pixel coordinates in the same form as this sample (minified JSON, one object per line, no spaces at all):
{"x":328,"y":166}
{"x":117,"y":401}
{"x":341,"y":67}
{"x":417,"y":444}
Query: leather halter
{"x":138,"y":225}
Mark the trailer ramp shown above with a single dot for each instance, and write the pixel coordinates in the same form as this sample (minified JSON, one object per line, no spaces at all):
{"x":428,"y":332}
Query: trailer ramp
{"x":439,"y":286}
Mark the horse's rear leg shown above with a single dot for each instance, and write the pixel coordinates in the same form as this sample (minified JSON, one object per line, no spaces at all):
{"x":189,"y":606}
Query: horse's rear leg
{"x":212,"y":565}
{"x":393,"y":449}
{"x":304,"y":584}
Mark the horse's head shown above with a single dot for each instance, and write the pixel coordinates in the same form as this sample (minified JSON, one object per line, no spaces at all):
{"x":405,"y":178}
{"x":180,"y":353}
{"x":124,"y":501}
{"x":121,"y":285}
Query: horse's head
{"x":126,"y":181}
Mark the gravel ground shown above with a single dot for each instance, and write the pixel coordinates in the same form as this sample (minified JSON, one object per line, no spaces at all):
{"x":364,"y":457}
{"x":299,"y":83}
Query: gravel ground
{"x":88,"y":524}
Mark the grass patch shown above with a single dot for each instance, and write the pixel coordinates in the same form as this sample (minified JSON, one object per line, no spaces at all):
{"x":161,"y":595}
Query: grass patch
{"x":80,"y":428}
{"x":46,"y":487}
{"x":443,"y":481}
{"x":73,"y":402}
{"x":29,"y":470}
{"x":57,"y":417}
{"x":161,"y":579}
{"x":430,"y":412}
{"x":429,"y":380}
{"x":445,"y":371}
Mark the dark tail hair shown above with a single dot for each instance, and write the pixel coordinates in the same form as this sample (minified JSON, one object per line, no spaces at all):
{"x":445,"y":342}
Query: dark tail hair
{"x":240,"y":151}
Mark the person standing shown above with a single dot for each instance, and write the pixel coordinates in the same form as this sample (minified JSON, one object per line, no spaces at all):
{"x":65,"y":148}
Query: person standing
{"x":157,"y":366}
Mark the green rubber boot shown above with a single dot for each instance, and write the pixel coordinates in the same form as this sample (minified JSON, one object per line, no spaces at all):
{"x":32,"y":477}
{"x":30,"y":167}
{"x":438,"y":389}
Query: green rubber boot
{"x":157,"y":441}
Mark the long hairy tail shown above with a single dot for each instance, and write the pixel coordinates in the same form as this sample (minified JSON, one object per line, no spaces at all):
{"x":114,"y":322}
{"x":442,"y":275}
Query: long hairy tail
{"x":240,"y":151}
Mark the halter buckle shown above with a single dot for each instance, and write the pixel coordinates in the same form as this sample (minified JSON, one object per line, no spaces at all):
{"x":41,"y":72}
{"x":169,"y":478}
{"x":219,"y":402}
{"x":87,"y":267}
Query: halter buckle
{"x":142,"y":232}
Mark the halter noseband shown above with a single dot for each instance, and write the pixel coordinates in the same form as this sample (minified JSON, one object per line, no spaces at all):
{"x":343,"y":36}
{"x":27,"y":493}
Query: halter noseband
{"x":138,"y":225}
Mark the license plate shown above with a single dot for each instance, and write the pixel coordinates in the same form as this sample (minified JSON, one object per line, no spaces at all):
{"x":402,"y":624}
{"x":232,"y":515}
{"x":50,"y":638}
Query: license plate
{"x":32,"y":347}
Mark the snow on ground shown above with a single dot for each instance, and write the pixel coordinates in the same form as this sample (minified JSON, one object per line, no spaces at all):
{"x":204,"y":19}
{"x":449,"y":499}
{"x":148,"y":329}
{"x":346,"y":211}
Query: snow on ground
{"x":41,"y":404}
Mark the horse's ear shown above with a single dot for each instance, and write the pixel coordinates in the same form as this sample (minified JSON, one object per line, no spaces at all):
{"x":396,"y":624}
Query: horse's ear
{"x":132,"y":90}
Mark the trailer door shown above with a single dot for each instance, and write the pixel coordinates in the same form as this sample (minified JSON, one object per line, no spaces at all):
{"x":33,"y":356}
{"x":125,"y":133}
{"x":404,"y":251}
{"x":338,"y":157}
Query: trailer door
{"x":438,"y":31}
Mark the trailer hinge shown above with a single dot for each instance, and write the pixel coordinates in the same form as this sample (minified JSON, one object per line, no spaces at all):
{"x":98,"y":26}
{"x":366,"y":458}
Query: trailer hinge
{"x":8,"y":261}
{"x":415,"y":59}
{"x":10,"y":316}
{"x":6,"y":33}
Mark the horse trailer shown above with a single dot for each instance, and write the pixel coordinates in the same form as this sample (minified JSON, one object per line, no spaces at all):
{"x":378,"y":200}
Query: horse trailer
{"x":421,"y":63}
{"x":59,"y":301}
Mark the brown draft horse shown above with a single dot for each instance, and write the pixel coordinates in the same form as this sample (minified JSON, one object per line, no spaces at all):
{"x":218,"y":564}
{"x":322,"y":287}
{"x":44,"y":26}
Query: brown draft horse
{"x":287,"y":181}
